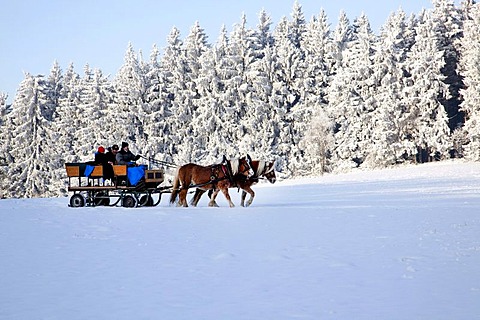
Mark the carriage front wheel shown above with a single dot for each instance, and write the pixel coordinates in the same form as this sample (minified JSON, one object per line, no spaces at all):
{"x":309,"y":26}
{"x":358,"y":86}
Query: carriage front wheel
{"x":77,"y":200}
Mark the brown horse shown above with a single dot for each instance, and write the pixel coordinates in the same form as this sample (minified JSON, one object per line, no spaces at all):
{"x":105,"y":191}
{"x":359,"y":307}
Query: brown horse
{"x":262,"y":169}
{"x":215,"y":177}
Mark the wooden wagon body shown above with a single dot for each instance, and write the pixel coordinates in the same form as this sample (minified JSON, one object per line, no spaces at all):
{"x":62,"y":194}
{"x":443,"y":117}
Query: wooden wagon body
{"x":130,"y":186}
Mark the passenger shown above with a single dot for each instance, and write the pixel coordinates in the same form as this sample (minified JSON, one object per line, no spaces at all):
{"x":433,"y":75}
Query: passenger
{"x":125,"y":156}
{"x":101,"y":159}
{"x":111,"y":154}
{"x":100,"y":156}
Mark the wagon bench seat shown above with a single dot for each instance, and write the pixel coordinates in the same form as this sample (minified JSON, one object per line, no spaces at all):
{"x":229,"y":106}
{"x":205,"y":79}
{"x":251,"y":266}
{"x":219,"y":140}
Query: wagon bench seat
{"x":78,"y":169}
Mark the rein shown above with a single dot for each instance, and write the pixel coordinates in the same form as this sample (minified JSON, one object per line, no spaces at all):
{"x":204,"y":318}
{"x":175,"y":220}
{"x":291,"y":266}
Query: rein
{"x":205,"y":183}
{"x":160,"y":162}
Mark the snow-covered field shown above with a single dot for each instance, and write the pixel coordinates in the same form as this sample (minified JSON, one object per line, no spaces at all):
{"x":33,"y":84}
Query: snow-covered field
{"x":393,"y":244}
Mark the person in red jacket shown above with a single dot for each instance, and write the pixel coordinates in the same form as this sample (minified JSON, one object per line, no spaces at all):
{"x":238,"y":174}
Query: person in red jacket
{"x":102,"y":159}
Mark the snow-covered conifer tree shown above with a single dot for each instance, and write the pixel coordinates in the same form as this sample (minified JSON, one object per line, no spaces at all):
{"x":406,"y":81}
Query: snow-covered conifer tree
{"x":318,"y":69}
{"x":469,"y":66}
{"x":97,"y":101}
{"x":447,"y":24}
{"x":31,"y":141}
{"x":130,"y":98}
{"x":290,"y":57}
{"x":341,"y":37}
{"x":69,"y":119}
{"x":217,"y":115}
{"x":428,"y":121}
{"x":259,"y":122}
{"x":85,"y":103}
{"x":3,"y":113}
{"x":247,"y":48}
{"x":3,"y":150}
{"x":351,"y":97}
{"x":156,"y":128}
{"x":55,"y":83}
{"x":187,"y":99}
{"x":173,"y":68}
{"x":390,"y":142}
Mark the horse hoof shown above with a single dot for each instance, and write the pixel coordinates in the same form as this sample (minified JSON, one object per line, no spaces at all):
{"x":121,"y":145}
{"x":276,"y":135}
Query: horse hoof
{"x":213,"y":204}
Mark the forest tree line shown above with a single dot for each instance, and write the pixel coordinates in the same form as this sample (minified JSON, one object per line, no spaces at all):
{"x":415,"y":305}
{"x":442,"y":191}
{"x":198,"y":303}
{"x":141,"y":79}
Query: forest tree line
{"x":315,"y":98}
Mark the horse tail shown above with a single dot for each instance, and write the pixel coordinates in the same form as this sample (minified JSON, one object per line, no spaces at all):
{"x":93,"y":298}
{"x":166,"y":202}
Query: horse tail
{"x":175,"y":187}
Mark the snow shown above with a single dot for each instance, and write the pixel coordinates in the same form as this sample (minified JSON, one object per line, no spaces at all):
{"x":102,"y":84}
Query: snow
{"x":398,"y":243}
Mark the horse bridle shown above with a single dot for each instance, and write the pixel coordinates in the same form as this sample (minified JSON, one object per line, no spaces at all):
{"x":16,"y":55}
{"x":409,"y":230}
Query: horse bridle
{"x":269,"y":170}
{"x":247,"y":169}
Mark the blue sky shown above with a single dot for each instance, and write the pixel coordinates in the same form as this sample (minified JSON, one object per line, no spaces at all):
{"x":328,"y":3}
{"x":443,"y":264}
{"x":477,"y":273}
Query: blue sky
{"x":35,"y":33}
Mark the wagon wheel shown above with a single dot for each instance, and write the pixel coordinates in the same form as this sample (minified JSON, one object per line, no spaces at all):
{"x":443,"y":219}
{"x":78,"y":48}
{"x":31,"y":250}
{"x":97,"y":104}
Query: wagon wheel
{"x":129,"y":201}
{"x":146,"y":201}
{"x":77,"y":200}
{"x":101,"y":199}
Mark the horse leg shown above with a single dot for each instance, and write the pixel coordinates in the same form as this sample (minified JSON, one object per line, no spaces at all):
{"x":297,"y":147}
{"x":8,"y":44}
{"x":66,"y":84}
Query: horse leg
{"x":212,"y":202}
{"x":196,"y":197}
{"x":182,"y":196}
{"x":227,"y":196}
{"x":244,"y":194}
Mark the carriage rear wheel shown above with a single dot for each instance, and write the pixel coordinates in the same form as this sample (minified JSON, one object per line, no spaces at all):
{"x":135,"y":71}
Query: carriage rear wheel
{"x":129,"y":201}
{"x":77,"y":200}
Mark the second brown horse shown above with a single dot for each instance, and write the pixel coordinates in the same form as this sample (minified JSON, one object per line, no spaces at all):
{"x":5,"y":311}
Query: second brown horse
{"x":261,"y":169}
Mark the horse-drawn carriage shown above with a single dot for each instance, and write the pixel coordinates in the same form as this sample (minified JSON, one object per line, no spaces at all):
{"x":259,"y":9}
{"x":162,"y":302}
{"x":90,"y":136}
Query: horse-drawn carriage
{"x":135,"y":186}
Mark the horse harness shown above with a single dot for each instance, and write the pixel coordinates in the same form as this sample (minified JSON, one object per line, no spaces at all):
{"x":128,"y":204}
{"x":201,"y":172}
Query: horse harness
{"x":215,"y":177}
{"x":223,"y":168}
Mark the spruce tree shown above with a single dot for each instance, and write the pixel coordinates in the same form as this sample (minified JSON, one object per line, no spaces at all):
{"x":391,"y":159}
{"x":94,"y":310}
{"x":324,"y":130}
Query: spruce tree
{"x":31,"y":141}
{"x":130,"y":98}
{"x":390,"y":143}
{"x":158,"y":109}
{"x":313,"y":123}
{"x":469,"y":66}
{"x":351,"y":97}
{"x":428,"y":120}
{"x":447,"y":24}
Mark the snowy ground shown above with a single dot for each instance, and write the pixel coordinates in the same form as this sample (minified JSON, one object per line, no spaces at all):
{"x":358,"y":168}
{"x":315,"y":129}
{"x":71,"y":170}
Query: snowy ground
{"x":393,"y":244}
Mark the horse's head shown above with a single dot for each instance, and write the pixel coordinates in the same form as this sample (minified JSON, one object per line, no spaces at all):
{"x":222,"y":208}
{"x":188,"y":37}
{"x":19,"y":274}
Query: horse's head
{"x":269,"y":172}
{"x":245,"y":166}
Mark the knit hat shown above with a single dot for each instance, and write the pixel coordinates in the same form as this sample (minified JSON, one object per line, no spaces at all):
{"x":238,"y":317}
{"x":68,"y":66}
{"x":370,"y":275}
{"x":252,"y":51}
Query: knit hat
{"x":101,"y":149}
{"x":124,"y":144}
